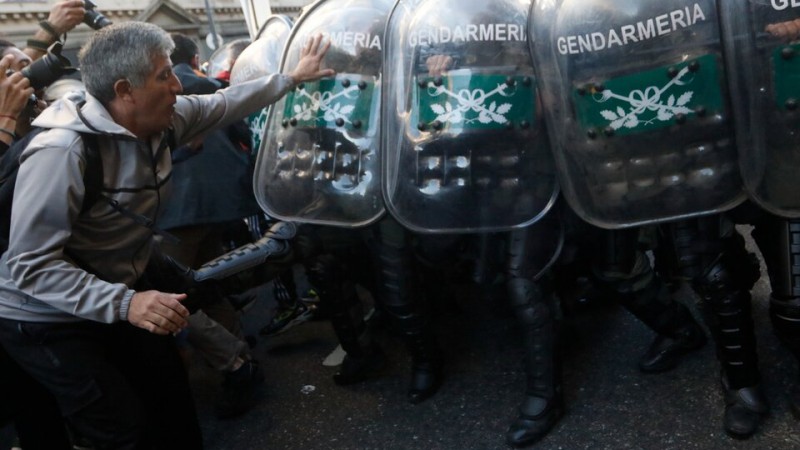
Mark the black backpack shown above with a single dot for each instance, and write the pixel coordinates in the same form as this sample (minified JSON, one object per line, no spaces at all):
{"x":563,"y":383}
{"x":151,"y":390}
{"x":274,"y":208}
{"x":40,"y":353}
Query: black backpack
{"x":9,"y":167}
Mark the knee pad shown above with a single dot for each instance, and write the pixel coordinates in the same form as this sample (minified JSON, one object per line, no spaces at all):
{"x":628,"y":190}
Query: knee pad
{"x":734,"y":269}
{"x":531,"y":306}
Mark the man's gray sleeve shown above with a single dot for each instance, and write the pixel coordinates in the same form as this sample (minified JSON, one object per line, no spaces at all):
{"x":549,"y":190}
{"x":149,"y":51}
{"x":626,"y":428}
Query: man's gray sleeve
{"x":47,"y":200}
{"x":197,"y":114}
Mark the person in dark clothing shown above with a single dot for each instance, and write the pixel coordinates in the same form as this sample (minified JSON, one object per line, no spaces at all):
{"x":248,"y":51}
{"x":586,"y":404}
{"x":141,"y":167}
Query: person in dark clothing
{"x":211,"y":193}
{"x":186,"y":63}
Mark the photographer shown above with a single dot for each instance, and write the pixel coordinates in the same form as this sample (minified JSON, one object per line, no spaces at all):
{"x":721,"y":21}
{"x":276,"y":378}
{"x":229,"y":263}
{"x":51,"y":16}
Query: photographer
{"x":35,"y":414}
{"x":15,"y":91}
{"x":70,"y":313}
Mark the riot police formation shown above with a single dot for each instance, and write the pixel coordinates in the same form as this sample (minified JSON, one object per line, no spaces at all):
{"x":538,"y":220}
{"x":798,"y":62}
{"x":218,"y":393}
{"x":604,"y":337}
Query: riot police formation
{"x":439,"y":130}
{"x":465,"y":151}
{"x":638,"y":98}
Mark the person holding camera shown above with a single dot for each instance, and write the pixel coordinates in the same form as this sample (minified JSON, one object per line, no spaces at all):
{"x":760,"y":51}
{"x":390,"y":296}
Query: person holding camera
{"x":63,"y":17}
{"x":15,"y":91}
{"x":13,"y":121}
{"x":37,"y":419}
{"x":73,"y":311}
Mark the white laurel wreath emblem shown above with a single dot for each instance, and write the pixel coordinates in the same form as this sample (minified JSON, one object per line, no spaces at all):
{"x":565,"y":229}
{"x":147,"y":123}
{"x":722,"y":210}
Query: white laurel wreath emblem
{"x":470,"y":100}
{"x":647,"y":100}
{"x":325,"y":102}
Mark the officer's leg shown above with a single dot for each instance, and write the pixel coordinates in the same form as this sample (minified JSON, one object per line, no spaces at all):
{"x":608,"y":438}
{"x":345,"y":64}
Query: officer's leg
{"x":778,"y":240}
{"x":535,"y":309}
{"x":624,"y":268}
{"x":713,"y":256}
{"x":406,"y":307}
{"x":336,"y":289}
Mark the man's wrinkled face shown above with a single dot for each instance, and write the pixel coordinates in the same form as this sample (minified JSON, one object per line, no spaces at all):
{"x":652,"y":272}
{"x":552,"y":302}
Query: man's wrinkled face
{"x":155,"y":101}
{"x":21,"y":60}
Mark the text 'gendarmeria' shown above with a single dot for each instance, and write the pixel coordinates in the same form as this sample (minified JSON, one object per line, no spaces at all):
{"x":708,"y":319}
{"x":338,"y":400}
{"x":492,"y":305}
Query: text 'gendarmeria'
{"x":631,"y":33}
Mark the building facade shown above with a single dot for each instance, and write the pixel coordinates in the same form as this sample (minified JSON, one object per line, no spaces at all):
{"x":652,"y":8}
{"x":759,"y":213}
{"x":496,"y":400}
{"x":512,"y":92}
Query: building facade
{"x":20,"y":19}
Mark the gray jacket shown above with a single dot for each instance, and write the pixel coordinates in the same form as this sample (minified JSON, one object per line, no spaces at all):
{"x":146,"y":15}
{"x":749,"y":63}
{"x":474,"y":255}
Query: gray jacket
{"x":38,"y":281}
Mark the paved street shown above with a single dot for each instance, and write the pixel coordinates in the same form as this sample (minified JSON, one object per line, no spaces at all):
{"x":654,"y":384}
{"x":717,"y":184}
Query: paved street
{"x":610,"y":405}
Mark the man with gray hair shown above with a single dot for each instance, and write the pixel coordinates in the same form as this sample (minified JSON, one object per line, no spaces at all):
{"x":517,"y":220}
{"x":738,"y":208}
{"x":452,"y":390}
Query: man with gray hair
{"x":75,"y":311}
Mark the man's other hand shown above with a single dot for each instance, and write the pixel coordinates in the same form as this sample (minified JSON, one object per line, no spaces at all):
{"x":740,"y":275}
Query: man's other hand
{"x":158,"y":312}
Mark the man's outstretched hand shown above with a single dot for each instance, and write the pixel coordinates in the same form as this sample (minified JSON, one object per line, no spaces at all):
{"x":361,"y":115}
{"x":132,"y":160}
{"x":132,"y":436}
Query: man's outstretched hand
{"x":308,"y":68}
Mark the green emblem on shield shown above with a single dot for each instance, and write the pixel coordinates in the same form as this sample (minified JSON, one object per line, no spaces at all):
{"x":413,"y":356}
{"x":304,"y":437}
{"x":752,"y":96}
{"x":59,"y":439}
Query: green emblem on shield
{"x":651,"y":100}
{"x":345,"y":101}
{"x":786,"y":67}
{"x":475,"y":101}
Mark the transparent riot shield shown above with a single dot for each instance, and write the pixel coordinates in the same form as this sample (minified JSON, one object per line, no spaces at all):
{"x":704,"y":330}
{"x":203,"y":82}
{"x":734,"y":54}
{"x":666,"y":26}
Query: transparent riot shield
{"x":464,"y":146}
{"x":319,"y":162}
{"x":262,"y":58}
{"x":221,"y":62}
{"x":636,"y":103}
{"x":762,"y":46}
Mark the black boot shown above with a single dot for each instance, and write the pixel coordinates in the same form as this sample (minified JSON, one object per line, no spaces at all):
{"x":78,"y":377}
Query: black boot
{"x":642,"y":292}
{"x":744,"y":410}
{"x":536,"y":417}
{"x":426,"y":369}
{"x":732,"y":326}
{"x":240,"y":390}
{"x":426,"y":378}
{"x":337,"y":290}
{"x":355,"y":369}
{"x":665,"y":352}
{"x":543,"y":404}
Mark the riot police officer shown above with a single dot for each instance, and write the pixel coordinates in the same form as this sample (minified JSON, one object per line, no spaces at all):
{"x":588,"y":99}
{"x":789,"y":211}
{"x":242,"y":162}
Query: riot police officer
{"x":320,"y":165}
{"x":761,"y":45}
{"x":641,"y":131}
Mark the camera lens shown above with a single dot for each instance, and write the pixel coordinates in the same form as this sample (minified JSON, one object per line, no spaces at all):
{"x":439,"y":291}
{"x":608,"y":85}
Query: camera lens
{"x":49,"y":68}
{"x":93,"y":18}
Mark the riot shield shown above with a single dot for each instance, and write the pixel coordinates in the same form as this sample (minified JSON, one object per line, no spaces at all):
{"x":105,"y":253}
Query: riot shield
{"x":259,"y":59}
{"x":463,"y":141}
{"x":637,"y":108}
{"x":221,"y":62}
{"x":319,"y":162}
{"x":763,"y":54}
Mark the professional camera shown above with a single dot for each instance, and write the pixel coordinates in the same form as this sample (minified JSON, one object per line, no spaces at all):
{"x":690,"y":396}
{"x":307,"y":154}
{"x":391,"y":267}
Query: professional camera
{"x":93,"y":18}
{"x":48,"y":68}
